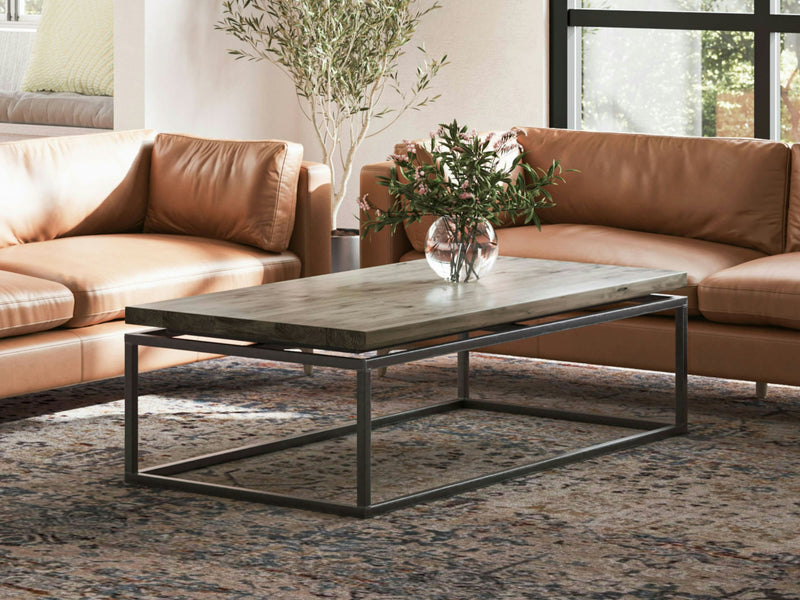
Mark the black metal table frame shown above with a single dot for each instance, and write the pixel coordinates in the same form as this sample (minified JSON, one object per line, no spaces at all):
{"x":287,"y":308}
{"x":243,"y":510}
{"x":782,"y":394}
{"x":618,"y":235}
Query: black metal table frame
{"x":363,"y":365}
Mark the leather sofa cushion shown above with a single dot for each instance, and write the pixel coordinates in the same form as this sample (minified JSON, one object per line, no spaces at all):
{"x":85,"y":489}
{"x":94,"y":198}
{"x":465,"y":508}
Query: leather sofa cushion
{"x":73,"y":185}
{"x":761,"y":292}
{"x":608,"y":245}
{"x":239,"y":191}
{"x":29,"y":304}
{"x":417,"y":232}
{"x":109,"y":272}
{"x":793,"y":221}
{"x":731,"y":191}
{"x":41,"y":360}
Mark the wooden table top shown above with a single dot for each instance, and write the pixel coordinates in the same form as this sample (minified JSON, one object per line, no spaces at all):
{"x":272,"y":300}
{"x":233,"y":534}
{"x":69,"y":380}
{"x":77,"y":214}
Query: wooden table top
{"x":396,"y":304}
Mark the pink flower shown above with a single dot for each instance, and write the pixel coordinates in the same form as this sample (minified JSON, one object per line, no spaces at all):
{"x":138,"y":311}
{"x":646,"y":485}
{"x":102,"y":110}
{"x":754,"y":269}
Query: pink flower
{"x":465,"y":196}
{"x":504,"y":139}
{"x":468,"y":137}
{"x":363,"y":203}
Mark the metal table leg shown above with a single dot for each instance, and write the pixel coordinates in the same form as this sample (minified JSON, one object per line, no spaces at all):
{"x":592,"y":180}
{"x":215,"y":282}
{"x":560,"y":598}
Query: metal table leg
{"x":364,"y":438}
{"x":681,"y":369}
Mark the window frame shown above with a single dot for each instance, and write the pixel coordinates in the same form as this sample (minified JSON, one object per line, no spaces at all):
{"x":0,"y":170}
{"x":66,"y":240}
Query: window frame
{"x":15,"y":17}
{"x":765,"y":22}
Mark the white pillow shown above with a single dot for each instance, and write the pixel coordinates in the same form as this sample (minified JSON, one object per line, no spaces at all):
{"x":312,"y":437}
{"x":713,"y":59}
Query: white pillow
{"x":74,"y":49}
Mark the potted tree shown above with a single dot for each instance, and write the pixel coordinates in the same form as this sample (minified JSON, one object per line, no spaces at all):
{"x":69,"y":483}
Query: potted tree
{"x":342,"y":56}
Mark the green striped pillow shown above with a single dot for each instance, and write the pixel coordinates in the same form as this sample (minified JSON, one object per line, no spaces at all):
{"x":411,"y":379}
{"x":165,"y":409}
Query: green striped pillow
{"x":74,"y":49}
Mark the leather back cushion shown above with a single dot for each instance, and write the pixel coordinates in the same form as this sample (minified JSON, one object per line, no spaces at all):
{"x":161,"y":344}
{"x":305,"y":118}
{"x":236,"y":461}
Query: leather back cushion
{"x":238,"y":191}
{"x":732,"y":191}
{"x":74,"y":185}
{"x":793,"y":226}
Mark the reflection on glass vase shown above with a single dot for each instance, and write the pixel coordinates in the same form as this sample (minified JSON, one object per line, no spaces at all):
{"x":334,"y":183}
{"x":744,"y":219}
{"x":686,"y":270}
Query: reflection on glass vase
{"x":463,"y":253}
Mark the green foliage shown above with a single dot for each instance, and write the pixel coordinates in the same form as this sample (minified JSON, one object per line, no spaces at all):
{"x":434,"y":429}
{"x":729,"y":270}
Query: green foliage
{"x":469,"y":178}
{"x":33,"y":7}
{"x":342,"y":56}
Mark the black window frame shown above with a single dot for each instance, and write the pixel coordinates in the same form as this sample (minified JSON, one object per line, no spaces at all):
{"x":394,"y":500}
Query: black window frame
{"x":765,"y":23}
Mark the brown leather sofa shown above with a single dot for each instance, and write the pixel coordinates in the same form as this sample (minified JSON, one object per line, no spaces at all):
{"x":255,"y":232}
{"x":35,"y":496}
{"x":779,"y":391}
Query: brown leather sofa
{"x":90,"y":224}
{"x":725,"y":211}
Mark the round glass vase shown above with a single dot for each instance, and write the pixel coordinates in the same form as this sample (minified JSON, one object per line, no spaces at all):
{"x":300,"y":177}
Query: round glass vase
{"x":460,"y":255}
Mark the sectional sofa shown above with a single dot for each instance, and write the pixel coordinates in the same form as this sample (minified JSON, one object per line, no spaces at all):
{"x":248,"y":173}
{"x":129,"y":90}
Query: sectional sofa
{"x":725,"y":211}
{"x":90,"y":224}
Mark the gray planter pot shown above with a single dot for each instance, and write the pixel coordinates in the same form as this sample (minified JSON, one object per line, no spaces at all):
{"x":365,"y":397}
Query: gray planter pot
{"x":344,"y":250}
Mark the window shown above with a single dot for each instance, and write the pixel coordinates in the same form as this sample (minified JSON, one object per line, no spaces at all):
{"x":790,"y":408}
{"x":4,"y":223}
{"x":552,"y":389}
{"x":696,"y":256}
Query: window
{"x":680,"y":67}
{"x":21,"y":11}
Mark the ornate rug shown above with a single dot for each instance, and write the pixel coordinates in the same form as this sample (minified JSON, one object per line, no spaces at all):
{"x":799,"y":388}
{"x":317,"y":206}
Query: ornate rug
{"x":713,"y":514}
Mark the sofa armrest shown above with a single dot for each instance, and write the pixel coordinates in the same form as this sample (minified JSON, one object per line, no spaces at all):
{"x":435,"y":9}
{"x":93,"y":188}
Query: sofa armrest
{"x":311,"y":238}
{"x":381,"y":247}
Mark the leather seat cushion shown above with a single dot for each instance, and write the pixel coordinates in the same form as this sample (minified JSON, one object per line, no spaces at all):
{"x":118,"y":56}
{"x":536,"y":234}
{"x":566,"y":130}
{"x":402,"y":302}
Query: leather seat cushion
{"x":761,"y":292}
{"x":29,"y":304}
{"x":608,"y":245}
{"x":239,"y":191}
{"x":106,"y":273}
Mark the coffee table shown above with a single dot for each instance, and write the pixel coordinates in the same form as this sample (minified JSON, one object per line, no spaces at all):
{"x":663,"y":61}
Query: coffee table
{"x":374,"y":318}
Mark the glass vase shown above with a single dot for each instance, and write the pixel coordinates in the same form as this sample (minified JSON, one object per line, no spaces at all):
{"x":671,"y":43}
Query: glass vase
{"x":460,"y":253}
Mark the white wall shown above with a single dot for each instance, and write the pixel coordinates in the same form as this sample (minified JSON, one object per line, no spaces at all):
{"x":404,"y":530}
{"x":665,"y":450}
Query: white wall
{"x":173,"y":74}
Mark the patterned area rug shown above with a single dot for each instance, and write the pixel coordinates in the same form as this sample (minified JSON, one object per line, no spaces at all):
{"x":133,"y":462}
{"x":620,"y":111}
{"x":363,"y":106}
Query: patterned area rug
{"x":713,"y":514}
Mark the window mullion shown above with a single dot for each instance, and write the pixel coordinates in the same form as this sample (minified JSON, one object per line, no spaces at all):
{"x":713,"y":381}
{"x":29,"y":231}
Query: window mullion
{"x":766,"y":84}
{"x":560,"y":59}
{"x":640,"y":19}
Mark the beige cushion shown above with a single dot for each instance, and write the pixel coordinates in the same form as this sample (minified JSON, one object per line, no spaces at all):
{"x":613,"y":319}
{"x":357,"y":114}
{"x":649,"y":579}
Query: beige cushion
{"x":731,"y":191}
{"x":760,"y":292}
{"x":73,"y":185}
{"x":608,"y":245}
{"x":239,"y":191}
{"x":74,"y":49}
{"x":29,"y":304}
{"x":106,"y":273}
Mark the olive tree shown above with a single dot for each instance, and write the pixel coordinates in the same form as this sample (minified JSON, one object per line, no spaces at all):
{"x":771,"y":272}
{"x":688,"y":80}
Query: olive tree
{"x":343,"y":57}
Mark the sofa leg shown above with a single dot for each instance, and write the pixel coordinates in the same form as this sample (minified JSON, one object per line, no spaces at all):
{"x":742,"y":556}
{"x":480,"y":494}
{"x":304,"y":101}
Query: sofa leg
{"x":308,"y":369}
{"x":761,"y":389}
{"x":382,"y":371}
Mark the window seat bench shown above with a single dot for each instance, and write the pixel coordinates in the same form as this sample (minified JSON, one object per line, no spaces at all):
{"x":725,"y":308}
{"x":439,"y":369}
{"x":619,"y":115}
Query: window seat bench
{"x":24,"y":114}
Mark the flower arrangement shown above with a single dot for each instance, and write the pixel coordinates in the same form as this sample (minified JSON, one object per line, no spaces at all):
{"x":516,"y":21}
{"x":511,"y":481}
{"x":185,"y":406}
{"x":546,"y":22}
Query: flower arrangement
{"x":468,"y":179}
